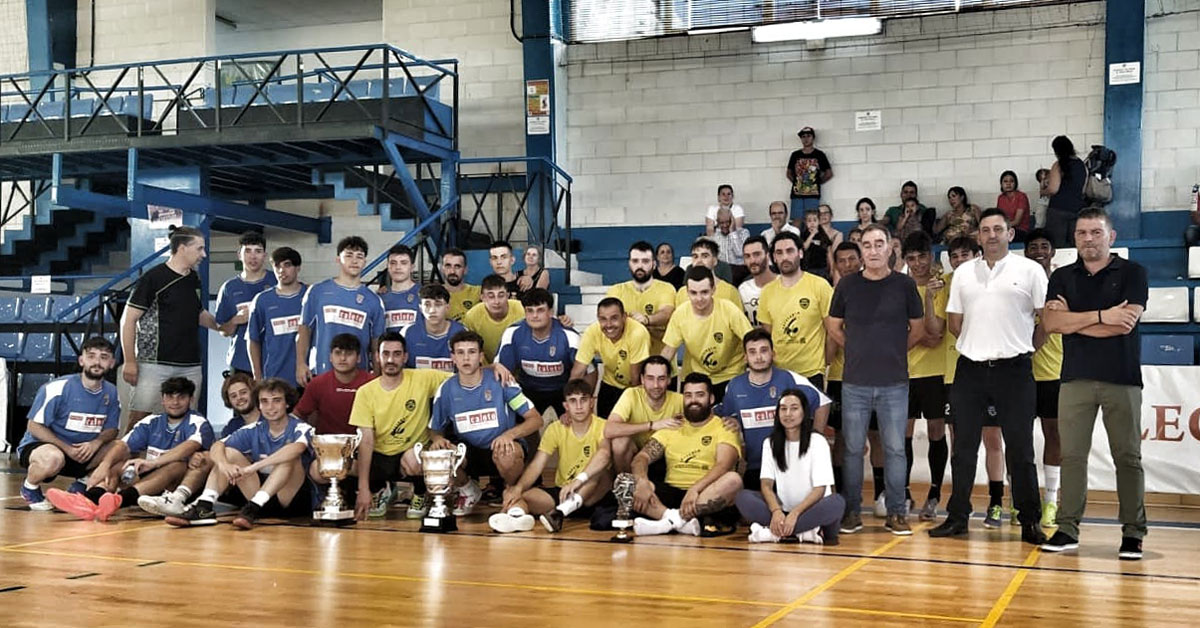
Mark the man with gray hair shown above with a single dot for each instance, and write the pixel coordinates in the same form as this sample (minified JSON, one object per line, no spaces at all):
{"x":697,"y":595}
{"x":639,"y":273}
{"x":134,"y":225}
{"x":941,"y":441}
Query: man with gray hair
{"x":730,"y":240}
{"x":777,"y":211}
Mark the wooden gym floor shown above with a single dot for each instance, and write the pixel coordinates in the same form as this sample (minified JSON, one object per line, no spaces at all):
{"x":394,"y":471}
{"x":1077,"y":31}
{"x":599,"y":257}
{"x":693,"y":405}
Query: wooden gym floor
{"x":58,"y":571}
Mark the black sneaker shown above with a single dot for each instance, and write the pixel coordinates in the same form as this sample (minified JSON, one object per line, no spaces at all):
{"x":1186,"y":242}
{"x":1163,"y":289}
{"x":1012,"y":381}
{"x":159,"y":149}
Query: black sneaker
{"x":712,"y":526}
{"x":553,"y":520}
{"x":1032,"y":534}
{"x":1131,"y":548}
{"x":245,"y":519}
{"x":952,"y":526}
{"x":1061,"y":542}
{"x":493,"y":494}
{"x":199,"y":513}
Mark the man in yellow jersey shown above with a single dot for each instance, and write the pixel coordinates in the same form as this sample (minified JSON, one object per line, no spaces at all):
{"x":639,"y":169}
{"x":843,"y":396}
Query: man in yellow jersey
{"x":582,"y":480}
{"x":622,"y":345}
{"x":704,"y":253}
{"x":701,"y":480}
{"x":392,"y":411}
{"x":926,"y":376}
{"x":711,"y":331}
{"x":642,"y":410}
{"x":794,"y":308}
{"x":463,"y":296}
{"x":491,"y":317}
{"x":1047,"y":367}
{"x":646,"y":300}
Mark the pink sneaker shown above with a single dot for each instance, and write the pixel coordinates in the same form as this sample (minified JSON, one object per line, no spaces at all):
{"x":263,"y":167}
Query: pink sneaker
{"x":74,"y":503}
{"x":109,"y":503}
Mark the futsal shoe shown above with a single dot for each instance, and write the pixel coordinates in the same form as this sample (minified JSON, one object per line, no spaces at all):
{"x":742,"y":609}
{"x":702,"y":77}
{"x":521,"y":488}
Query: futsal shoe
{"x":200,"y":513}
{"x":78,"y":486}
{"x":35,"y":499}
{"x":929,"y":510}
{"x":109,"y":504}
{"x":417,"y":508}
{"x":1049,"y":515}
{"x":950,"y":527}
{"x":468,"y":495}
{"x":1060,"y":542}
{"x":515,"y":520}
{"x":1131,"y":549}
{"x":881,"y":506}
{"x":380,"y":501}
{"x":1032,"y":534}
{"x":73,"y":503}
{"x":851,"y":522}
{"x":165,"y":505}
{"x":898,"y":525}
{"x":992,"y":519}
{"x":553,"y":520}
{"x":247,"y":517}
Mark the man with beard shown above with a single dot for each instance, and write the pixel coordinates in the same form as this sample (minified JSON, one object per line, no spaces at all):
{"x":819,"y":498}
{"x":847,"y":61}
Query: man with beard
{"x":540,"y":352}
{"x":758,"y":263}
{"x":642,"y":410}
{"x":622,"y":344}
{"x":993,"y":302}
{"x":341,"y":305}
{"x":704,"y":254}
{"x":646,"y":300}
{"x":428,"y":340}
{"x":401,"y":301}
{"x":794,"y":308}
{"x":274,"y":320}
{"x":235,"y":296}
{"x":490,"y":318}
{"x":392,"y":411}
{"x":463,"y":296}
{"x":752,"y":396}
{"x":701,"y":481}
{"x":165,"y":443}
{"x":1047,"y":369}
{"x":711,"y":329}
{"x":72,"y":424}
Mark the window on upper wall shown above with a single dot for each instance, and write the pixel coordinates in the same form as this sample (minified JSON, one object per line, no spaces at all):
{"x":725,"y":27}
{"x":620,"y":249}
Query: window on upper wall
{"x":614,"y":20}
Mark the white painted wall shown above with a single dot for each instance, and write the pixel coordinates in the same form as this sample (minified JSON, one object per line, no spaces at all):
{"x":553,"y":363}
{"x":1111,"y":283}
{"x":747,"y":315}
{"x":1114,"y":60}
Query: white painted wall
{"x":14,"y":48}
{"x":145,"y":30}
{"x":234,"y":41}
{"x":1171,"y":118}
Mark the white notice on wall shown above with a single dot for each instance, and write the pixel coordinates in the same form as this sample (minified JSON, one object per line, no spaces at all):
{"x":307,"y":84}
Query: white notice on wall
{"x":39,"y":284}
{"x":161,"y":243}
{"x":871,"y":120}
{"x":1125,"y":73}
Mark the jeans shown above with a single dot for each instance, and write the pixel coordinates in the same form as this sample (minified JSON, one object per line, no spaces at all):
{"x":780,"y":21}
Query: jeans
{"x":801,"y":205}
{"x":890,"y":404}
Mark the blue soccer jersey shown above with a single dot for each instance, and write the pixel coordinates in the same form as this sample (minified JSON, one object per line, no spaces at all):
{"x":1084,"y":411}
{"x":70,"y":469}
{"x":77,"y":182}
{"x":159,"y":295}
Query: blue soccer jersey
{"x":426,"y":351}
{"x":477,"y":415}
{"x":754,"y":406}
{"x":256,"y":442}
{"x":274,"y":319}
{"x":330,"y":309}
{"x":235,"y":296}
{"x":74,"y":413}
{"x":155,"y":435}
{"x":402,"y":309}
{"x":544,"y":365}
{"x":236,"y":422}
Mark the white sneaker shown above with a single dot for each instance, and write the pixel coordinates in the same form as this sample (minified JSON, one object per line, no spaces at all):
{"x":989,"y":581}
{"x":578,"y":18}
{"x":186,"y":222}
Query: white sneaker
{"x":165,"y":505}
{"x":468,"y":496}
{"x":651,"y":527}
{"x":812,"y":536}
{"x":691,"y":527}
{"x":881,"y":506}
{"x":504,"y":523}
{"x":760,"y":533}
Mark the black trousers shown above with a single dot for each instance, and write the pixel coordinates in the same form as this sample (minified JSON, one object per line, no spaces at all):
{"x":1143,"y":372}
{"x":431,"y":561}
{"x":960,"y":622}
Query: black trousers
{"x":606,"y":399}
{"x":1008,"y":386}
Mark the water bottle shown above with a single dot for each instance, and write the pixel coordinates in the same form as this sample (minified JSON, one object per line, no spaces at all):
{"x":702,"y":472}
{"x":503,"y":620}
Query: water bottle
{"x":129,"y":474}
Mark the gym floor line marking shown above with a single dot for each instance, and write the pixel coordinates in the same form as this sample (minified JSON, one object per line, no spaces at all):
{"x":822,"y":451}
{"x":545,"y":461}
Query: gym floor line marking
{"x":10,"y":589}
{"x":1011,"y":590}
{"x":152,"y":563}
{"x":863,"y":611}
{"x":81,"y":576}
{"x":80,"y":536}
{"x":832,"y":581}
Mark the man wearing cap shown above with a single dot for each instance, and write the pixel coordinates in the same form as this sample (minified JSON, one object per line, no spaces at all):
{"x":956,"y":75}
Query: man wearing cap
{"x":807,"y":169}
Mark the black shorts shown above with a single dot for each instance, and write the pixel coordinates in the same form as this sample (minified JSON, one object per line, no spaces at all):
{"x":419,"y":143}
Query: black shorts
{"x":71,"y":468}
{"x":834,"y":393}
{"x":300,"y":506}
{"x":542,"y":400}
{"x":989,"y":420}
{"x":606,"y":399}
{"x":479,"y":461}
{"x":927,"y":398}
{"x":718,"y":392}
{"x":817,"y":380}
{"x":670,"y":496}
{"x":752,"y":480}
{"x":386,"y":468}
{"x":1047,"y":399}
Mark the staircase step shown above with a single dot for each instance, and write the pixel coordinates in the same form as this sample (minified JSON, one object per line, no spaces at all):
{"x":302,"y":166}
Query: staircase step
{"x":582,"y":315}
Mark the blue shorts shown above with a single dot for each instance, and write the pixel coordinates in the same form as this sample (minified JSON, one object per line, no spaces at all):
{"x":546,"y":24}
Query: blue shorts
{"x":801,"y":205}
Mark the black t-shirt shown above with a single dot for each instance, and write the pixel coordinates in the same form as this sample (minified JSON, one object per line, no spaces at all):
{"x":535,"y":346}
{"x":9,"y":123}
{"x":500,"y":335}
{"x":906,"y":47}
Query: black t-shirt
{"x":876,"y":313}
{"x":675,"y":277}
{"x":807,"y":169}
{"x":1069,"y":197}
{"x":1116,"y":360}
{"x":168,"y":331}
{"x":816,"y":256}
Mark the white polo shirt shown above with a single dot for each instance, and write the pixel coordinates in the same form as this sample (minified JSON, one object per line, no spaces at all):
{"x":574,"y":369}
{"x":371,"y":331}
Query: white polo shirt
{"x":997,"y":305}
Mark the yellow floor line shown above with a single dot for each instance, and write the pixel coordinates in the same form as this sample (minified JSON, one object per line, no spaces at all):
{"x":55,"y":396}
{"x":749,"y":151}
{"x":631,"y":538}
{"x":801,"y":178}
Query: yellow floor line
{"x":865,"y":611}
{"x":157,"y":524}
{"x":1009,"y":592}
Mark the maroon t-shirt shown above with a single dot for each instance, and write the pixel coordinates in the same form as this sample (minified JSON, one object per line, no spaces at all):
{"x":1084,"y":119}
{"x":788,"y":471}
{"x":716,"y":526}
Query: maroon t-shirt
{"x":331,"y":400}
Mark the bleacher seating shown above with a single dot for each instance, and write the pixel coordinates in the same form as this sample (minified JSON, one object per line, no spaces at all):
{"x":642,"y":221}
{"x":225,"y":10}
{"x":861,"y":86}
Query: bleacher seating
{"x":1168,"y":350}
{"x":38,"y":347}
{"x":10,"y":345}
{"x":1194,"y":262}
{"x":1167,"y":305}
{"x":36,"y":309}
{"x":28,"y":385}
{"x":10,"y":309}
{"x":61,"y":304}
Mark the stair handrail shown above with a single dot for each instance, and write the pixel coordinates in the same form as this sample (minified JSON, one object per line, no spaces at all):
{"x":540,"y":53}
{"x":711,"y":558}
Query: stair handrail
{"x":98,"y":293}
{"x":407,"y":238}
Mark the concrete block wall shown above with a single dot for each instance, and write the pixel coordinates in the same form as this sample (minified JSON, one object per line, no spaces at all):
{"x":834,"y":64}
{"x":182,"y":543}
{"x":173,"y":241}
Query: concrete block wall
{"x":145,"y":30}
{"x":1171,"y":118}
{"x":239,"y":40}
{"x":14,"y":47}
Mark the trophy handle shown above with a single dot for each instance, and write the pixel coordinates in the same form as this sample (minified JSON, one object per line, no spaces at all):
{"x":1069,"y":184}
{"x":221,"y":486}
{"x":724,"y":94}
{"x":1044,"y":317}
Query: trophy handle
{"x":460,"y":456}
{"x":357,"y":439}
{"x":417,"y":449}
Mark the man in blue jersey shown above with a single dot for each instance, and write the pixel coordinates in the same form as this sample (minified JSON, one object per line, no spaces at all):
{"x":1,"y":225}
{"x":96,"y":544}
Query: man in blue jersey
{"x":540,"y":352}
{"x":401,"y":298}
{"x":473,"y":407}
{"x":266,"y":463}
{"x":751,"y":397}
{"x":274,"y":320}
{"x":341,"y":305}
{"x":237,"y":293}
{"x":72,"y":423}
{"x":165,"y":442}
{"x":428,"y":339}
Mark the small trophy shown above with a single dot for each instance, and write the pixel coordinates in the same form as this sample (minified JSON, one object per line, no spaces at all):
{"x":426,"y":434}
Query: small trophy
{"x":439,"y":467}
{"x":335,"y":455}
{"x":623,"y":490}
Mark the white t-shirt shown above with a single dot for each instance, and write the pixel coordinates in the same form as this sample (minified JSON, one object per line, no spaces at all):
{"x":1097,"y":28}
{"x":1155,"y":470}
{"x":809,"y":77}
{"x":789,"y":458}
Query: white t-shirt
{"x":997,"y":305}
{"x":734,"y":209}
{"x":750,"y":292}
{"x":769,"y":232}
{"x":804,"y":473}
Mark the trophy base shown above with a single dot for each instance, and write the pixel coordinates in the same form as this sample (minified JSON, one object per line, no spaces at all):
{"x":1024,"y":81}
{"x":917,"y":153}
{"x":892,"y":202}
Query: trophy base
{"x":622,"y":535}
{"x":333,"y":517}
{"x":439,"y":525}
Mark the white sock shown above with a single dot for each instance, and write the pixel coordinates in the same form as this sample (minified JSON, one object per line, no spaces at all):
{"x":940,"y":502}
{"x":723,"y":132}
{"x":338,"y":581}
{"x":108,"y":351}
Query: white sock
{"x":209,"y":495}
{"x":1053,"y":473}
{"x":183,"y":493}
{"x":516,"y":511}
{"x":571,"y":505}
{"x":260,"y":498}
{"x":672,"y":515}
{"x":32,"y":487}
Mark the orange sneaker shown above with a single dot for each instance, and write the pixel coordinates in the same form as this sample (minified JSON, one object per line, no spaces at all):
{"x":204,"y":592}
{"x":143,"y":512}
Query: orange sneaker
{"x":74,"y":503}
{"x":109,"y":503}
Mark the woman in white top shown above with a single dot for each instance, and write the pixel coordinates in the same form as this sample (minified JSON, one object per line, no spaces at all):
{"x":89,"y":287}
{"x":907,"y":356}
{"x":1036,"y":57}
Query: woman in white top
{"x":797,"y":502}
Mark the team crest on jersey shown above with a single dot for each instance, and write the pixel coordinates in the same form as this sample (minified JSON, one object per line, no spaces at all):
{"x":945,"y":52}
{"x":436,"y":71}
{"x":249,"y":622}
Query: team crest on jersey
{"x":552,"y":349}
{"x":411,"y":405}
{"x":706,"y":441}
{"x":587,"y":450}
{"x":649,"y":308}
{"x":804,"y":302}
{"x":410,"y":297}
{"x":623,"y":354}
{"x":718,"y":337}
{"x":487,"y":395}
{"x":358,"y":299}
{"x":105,"y":401}
{"x":771,"y":391}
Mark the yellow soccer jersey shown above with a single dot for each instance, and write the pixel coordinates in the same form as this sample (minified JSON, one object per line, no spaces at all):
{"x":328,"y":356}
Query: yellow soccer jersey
{"x":660,"y":294}
{"x":574,"y":451}
{"x":948,"y":339}
{"x":837,"y":367}
{"x":619,"y":356}
{"x":926,"y":361}
{"x":691,"y":452}
{"x":1047,"y":361}
{"x":797,"y":319}
{"x":634,"y":407}
{"x":724,"y":290}
{"x":462,"y":301}
{"x":479,"y":321}
{"x":399,"y":417}
{"x":714,"y":343}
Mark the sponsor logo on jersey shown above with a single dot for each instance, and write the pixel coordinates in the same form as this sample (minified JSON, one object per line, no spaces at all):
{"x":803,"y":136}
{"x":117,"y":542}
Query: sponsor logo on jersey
{"x":440,"y":364}
{"x":152,"y":453}
{"x":350,"y":317}
{"x":758,"y":417}
{"x":542,"y":369}
{"x":400,"y":318}
{"x":284,"y":325}
{"x":476,"y":420}
{"x":85,"y":422}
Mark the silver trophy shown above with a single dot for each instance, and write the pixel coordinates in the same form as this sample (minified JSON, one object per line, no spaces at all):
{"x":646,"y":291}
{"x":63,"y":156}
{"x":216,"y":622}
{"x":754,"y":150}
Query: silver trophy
{"x":335,"y":457}
{"x":623,"y":488}
{"x":439,"y":467}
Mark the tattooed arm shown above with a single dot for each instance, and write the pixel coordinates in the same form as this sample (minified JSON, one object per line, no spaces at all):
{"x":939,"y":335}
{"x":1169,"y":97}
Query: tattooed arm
{"x":693,"y":505}
{"x":643,"y":492}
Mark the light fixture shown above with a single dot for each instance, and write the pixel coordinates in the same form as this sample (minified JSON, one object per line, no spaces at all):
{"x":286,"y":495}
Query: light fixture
{"x":716,"y":30}
{"x":817,"y":29}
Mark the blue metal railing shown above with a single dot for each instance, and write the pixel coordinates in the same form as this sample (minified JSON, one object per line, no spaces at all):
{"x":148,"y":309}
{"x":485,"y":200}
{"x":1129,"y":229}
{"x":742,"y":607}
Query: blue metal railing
{"x":409,"y":237}
{"x":99,"y":293}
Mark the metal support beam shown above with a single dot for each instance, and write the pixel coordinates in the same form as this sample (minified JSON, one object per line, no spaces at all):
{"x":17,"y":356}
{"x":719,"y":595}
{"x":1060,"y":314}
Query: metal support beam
{"x":1125,"y":42}
{"x":217,"y":208}
{"x":405,"y":177}
{"x":542,"y":42}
